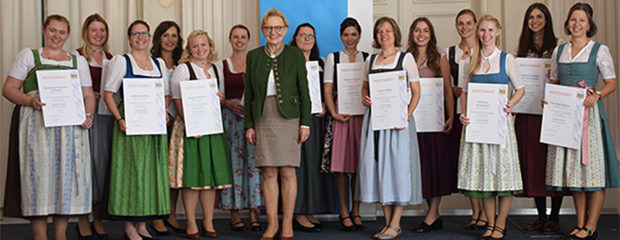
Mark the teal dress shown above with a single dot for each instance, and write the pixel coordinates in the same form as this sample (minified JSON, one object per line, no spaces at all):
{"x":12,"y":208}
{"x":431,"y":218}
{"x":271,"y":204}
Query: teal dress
{"x":565,"y":170}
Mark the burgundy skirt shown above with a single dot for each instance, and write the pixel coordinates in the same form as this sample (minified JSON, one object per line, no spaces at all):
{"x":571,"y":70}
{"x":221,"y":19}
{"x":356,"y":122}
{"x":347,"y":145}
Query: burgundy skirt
{"x":532,"y":157}
{"x":438,"y":167}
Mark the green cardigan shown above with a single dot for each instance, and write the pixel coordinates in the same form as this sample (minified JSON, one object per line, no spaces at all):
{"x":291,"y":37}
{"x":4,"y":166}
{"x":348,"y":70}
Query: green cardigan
{"x":289,"y":69}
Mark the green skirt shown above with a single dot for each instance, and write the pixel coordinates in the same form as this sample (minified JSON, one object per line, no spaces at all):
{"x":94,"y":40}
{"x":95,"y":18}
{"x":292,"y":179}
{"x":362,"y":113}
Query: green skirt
{"x":138,"y":176}
{"x":206,"y":162}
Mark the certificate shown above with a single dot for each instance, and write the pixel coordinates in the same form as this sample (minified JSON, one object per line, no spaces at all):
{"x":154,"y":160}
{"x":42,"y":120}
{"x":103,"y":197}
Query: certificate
{"x":201,"y":107}
{"x":462,"y":75}
{"x":429,"y":114}
{"x":145,"y":107}
{"x":485,"y":108}
{"x":562,"y":120}
{"x":350,"y":80}
{"x":314,"y":86}
{"x":534,"y":74}
{"x":61,"y":92}
{"x":388,"y":92}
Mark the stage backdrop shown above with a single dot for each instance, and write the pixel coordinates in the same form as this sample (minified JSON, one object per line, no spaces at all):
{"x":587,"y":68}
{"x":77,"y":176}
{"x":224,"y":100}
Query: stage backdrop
{"x":325,"y":16}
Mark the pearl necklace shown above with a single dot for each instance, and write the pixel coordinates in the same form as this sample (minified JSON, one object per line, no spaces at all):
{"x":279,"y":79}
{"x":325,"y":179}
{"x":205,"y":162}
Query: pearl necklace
{"x":351,"y":54}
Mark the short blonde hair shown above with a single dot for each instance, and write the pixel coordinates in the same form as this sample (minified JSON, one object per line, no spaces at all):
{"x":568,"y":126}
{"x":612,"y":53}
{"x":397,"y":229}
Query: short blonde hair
{"x":273,"y":12}
{"x":187,"y":56}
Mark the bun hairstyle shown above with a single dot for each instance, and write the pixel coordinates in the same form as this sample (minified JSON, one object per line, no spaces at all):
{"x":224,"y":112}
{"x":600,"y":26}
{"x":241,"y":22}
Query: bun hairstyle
{"x":350,"y":22}
{"x":526,"y":40}
{"x":466,"y":11}
{"x":589,"y":12}
{"x":240,"y":26}
{"x":476,"y":56}
{"x":59,"y":18}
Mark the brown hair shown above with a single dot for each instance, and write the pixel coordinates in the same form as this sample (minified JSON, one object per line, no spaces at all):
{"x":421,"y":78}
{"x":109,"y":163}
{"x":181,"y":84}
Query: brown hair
{"x":476,"y":56}
{"x":187,"y":56}
{"x":273,"y":12}
{"x":87,"y":48}
{"x":396,"y":29}
{"x":59,"y":18}
{"x":159,"y":31}
{"x":589,"y":12}
{"x":432,"y":52}
{"x":526,"y":41}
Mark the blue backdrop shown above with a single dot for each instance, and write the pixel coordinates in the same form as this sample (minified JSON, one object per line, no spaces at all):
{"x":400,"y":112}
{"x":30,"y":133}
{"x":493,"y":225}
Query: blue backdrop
{"x":324,"y":15}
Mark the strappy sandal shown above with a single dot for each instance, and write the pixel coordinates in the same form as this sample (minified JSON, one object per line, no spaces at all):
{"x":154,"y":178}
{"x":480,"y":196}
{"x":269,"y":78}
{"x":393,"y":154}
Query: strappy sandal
{"x":500,"y":230}
{"x":345,"y":227}
{"x":570,"y":236}
{"x":490,"y":229}
{"x":481,"y":227}
{"x":255,"y":226}
{"x":359,"y":227}
{"x":471,"y":225}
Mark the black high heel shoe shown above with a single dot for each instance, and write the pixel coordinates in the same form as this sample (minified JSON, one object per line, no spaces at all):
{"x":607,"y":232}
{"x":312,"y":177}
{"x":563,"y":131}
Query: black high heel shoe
{"x":80,"y":237}
{"x":298,"y":227}
{"x":104,"y":236}
{"x":175,"y":229}
{"x":500,"y":230}
{"x":158,"y":233}
{"x":358,"y":227}
{"x":436,"y":225}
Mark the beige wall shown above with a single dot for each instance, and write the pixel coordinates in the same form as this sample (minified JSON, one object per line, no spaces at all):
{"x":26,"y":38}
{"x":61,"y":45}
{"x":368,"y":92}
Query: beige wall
{"x":21,"y":26}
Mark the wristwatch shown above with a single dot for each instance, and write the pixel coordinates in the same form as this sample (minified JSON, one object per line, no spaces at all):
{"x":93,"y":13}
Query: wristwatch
{"x":599,"y":93}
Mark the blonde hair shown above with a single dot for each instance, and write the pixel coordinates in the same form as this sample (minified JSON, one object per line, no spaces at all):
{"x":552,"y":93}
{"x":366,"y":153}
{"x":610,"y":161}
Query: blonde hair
{"x":273,"y":12}
{"x":87,"y":48}
{"x":187,"y":56}
{"x":476,"y":56}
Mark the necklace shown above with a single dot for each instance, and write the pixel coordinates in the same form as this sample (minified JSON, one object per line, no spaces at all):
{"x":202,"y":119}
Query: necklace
{"x":351,"y":54}
{"x":386,"y":56}
{"x":466,"y":51}
{"x":97,"y":50}
{"x":240,"y":66}
{"x":538,"y":37}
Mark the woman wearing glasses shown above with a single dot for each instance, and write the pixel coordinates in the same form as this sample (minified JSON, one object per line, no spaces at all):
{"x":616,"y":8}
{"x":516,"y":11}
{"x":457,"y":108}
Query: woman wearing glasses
{"x":314,"y":189}
{"x":139,"y":171}
{"x":277,"y":117}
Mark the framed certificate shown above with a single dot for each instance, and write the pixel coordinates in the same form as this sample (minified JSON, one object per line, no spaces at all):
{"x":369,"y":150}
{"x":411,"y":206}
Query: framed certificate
{"x":429,"y":114}
{"x":314,"y":86}
{"x":534,"y":74}
{"x":388,"y":92}
{"x":61,"y":91}
{"x":485,"y":108}
{"x":563,"y":117}
{"x":145,"y":106}
{"x":350,"y":80}
{"x":201,"y":107}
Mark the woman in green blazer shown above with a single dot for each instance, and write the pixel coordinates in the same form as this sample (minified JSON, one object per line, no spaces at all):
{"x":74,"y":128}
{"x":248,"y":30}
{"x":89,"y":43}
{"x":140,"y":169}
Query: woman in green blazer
{"x":277,"y":117}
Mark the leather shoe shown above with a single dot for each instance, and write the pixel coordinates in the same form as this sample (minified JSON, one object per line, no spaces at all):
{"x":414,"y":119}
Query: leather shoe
{"x":158,"y":233}
{"x":175,"y":229}
{"x":80,"y":237}
{"x":535,"y":226}
{"x":104,"y":236}
{"x":208,"y":233}
{"x":298,"y":227}
{"x":438,"y":224}
{"x":551,"y":227}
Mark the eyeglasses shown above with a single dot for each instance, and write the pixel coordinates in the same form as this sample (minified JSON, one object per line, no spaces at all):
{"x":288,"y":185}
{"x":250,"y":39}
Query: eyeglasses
{"x":277,"y":28}
{"x":137,"y":34}
{"x":303,"y":35}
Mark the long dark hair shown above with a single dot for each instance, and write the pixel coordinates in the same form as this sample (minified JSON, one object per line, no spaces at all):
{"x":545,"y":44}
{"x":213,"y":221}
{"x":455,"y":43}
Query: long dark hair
{"x":159,"y":31}
{"x":526,"y":40}
{"x":432,"y":52}
{"x":314,"y":53}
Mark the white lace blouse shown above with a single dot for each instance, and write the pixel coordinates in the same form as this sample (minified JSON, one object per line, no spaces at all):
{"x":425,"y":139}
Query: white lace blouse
{"x":604,"y":61}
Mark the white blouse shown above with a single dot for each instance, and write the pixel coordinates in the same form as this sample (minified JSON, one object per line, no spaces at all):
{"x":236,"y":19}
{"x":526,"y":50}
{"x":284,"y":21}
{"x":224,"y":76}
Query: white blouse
{"x":512,"y":69}
{"x":181,"y":73}
{"x":220,"y":70}
{"x":458,"y":54}
{"x":117,"y":68}
{"x":604,"y":61}
{"x":92,"y":62}
{"x":328,"y":76}
{"x":24,"y":62}
{"x":409,"y":66}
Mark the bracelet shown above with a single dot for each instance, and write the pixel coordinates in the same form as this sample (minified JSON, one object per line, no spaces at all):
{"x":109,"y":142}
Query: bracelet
{"x":90,"y":115}
{"x":118,"y":120}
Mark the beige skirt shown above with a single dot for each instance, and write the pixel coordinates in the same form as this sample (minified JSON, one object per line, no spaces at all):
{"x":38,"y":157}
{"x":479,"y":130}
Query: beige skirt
{"x":277,"y":137}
